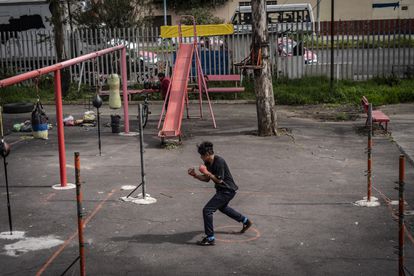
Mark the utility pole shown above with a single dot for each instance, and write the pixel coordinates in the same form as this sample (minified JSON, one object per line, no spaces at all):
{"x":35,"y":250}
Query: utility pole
{"x":165,"y":12}
{"x":318,"y":19}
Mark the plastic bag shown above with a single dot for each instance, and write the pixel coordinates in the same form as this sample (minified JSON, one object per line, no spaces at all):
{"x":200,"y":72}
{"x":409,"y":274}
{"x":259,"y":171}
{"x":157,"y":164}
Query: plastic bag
{"x":39,"y":122}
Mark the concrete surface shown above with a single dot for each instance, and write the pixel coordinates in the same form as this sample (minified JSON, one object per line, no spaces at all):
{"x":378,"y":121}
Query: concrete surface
{"x":298,"y":189}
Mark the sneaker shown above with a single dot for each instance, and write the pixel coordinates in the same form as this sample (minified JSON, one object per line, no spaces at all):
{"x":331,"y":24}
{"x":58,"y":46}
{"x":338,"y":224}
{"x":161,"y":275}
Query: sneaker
{"x":205,"y":242}
{"x":246,"y":226}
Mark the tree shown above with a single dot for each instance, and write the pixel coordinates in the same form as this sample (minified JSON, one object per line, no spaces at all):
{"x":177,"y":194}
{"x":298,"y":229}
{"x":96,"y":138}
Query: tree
{"x":265,"y":103}
{"x":57,"y":21}
{"x":114,"y":14}
{"x":202,"y":16}
{"x":183,"y":5}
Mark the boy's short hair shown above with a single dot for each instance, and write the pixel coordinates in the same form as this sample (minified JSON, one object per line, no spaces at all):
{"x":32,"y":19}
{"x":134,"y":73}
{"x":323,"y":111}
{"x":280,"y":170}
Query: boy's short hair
{"x":161,"y":75}
{"x":205,"y":148}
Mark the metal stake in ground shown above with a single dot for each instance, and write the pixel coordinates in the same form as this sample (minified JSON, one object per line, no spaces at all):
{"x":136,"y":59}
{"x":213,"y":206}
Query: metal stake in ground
{"x":4,"y":151}
{"x":141,"y":147}
{"x":369,"y":170}
{"x":80,"y":214}
{"x":143,"y":198}
{"x":401,"y":271}
{"x":97,"y":102}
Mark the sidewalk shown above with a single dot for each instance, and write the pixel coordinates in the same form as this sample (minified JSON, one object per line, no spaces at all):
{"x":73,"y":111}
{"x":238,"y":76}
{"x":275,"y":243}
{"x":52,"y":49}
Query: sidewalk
{"x":299,"y":191}
{"x":402,"y":127}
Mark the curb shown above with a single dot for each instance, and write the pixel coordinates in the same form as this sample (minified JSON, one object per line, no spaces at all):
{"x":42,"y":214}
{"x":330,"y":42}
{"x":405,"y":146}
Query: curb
{"x":402,"y":150}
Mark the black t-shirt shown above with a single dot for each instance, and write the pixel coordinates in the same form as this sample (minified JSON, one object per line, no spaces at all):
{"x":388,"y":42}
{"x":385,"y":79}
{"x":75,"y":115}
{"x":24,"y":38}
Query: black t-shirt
{"x":220,"y":169}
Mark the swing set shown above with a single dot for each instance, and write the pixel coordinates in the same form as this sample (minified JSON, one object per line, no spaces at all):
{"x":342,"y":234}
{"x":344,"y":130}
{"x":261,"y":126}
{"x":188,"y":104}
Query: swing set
{"x":56,"y":69}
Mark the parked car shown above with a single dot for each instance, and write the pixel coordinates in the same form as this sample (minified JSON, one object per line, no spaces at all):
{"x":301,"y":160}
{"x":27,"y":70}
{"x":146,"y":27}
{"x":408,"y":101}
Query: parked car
{"x":147,"y":59}
{"x":287,"y":47}
{"x":213,"y":42}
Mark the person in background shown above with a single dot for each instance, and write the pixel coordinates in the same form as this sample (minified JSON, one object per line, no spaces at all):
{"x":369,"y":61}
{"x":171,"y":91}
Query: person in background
{"x":164,"y":84}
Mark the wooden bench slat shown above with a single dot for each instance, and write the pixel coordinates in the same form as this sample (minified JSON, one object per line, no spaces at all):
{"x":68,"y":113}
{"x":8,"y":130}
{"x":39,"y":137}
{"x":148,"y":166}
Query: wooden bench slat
{"x":223,"y":77}
{"x":225,"y":89}
{"x":130,"y":91}
{"x":378,"y":115}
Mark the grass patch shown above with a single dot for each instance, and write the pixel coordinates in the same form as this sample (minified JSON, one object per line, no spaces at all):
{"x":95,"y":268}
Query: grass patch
{"x":317,"y":91}
{"x":303,"y":91}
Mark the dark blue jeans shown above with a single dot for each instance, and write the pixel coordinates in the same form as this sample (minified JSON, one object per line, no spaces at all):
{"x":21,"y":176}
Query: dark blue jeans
{"x":220,"y":202}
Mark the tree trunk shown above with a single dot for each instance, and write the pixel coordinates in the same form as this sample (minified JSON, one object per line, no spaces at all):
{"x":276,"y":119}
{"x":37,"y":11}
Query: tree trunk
{"x":57,"y":17}
{"x":57,"y":12}
{"x":265,"y":103}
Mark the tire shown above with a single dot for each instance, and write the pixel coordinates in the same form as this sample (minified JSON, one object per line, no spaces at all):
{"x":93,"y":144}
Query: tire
{"x":144,"y":115}
{"x":13,"y":108}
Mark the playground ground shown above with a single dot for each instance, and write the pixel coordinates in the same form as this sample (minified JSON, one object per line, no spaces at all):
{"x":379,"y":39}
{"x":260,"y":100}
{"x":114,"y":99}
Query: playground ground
{"x":298,"y":189}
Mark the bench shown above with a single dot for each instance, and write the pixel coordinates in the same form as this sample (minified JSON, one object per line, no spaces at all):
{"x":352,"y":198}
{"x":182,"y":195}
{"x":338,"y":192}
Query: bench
{"x":377,"y":115}
{"x":217,"y":78}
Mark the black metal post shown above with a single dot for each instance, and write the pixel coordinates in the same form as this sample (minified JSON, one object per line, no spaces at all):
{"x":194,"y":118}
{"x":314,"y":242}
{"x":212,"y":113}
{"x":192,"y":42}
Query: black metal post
{"x":369,"y":152}
{"x":332,"y":44}
{"x":99,"y":132}
{"x":401,"y":271}
{"x":141,"y":146}
{"x":8,"y":196}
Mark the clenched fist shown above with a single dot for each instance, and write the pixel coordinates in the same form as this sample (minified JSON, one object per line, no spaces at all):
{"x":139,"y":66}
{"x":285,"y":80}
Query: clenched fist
{"x":191,"y":172}
{"x":203,"y":170}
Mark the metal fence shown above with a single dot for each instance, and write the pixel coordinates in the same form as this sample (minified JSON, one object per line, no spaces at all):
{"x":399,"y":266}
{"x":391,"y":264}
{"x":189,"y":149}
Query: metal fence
{"x":361,"y":51}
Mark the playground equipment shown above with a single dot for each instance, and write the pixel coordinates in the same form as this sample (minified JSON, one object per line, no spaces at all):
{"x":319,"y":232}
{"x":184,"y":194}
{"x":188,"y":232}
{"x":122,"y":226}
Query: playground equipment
{"x":4,"y":152}
{"x":177,"y":94}
{"x":56,"y":69}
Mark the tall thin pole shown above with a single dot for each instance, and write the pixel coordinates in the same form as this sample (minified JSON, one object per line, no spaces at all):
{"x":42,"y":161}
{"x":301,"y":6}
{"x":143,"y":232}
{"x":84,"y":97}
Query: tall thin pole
{"x":369,"y":152}
{"x":401,"y":216}
{"x":165,"y":12}
{"x":99,"y":132}
{"x":318,"y":20}
{"x":8,"y":196}
{"x":124,"y":89}
{"x":5,"y":153}
{"x":80,"y":214}
{"x":60,"y":131}
{"x":332,"y":43}
{"x":141,"y":147}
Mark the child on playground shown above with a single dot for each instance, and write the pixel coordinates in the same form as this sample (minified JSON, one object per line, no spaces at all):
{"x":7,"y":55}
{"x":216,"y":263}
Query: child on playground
{"x":215,"y":168}
{"x":164,"y":84}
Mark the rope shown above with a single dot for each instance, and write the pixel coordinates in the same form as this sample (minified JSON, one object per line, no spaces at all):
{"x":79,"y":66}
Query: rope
{"x":1,"y":122}
{"x":37,"y":88}
{"x":406,"y":269}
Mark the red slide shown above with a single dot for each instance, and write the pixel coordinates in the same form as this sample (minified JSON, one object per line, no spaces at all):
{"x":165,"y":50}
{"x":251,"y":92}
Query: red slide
{"x":179,"y":82}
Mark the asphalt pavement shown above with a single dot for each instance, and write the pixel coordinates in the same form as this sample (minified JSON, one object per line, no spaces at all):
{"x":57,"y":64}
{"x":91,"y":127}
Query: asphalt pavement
{"x":299,"y":189}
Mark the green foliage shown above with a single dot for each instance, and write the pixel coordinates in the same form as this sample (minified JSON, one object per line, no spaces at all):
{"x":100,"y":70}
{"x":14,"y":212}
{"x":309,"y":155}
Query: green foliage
{"x":314,"y":90}
{"x":184,"y":5}
{"x":317,"y":91}
{"x":202,"y":16}
{"x":373,"y":43}
{"x":114,"y":14}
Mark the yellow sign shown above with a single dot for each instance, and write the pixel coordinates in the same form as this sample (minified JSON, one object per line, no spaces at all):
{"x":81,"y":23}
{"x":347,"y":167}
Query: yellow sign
{"x":202,"y":30}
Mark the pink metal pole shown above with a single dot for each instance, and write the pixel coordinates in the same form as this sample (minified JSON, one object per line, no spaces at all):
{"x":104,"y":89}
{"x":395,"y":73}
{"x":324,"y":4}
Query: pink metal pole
{"x":61,"y":135}
{"x":124,"y":88}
